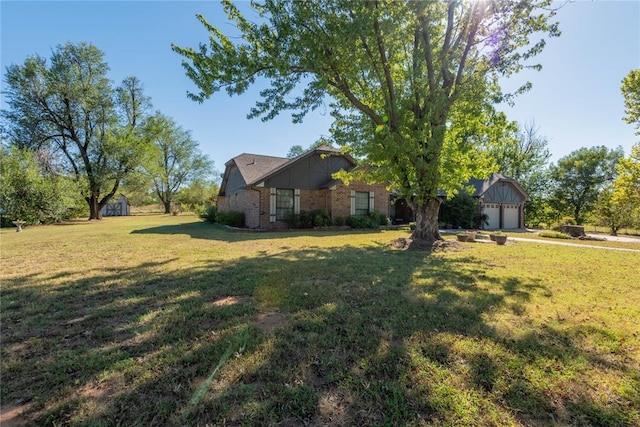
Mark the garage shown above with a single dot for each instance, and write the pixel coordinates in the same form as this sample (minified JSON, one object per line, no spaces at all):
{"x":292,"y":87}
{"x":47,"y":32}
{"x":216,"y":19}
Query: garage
{"x":492,"y":211}
{"x":510,"y":216}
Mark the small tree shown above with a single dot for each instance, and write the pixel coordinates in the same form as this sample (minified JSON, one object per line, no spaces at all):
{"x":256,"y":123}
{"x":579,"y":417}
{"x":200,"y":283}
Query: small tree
{"x":34,"y":193}
{"x":615,"y":212}
{"x":579,"y":178}
{"x":175,"y":160}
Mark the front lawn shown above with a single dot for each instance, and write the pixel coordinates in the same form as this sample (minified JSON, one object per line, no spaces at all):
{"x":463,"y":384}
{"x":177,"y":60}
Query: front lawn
{"x":167,"y":320}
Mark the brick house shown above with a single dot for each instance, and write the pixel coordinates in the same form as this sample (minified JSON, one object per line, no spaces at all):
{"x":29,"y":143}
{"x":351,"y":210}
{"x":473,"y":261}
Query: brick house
{"x":266,"y":188}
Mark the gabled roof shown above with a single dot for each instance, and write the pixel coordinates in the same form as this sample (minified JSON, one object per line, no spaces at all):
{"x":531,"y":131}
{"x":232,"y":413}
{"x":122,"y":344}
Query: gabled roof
{"x":482,"y":185}
{"x":323,"y":149}
{"x":256,"y":168}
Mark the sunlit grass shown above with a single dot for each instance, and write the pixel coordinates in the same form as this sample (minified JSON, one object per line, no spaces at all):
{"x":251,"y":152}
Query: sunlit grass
{"x":166,"y":320}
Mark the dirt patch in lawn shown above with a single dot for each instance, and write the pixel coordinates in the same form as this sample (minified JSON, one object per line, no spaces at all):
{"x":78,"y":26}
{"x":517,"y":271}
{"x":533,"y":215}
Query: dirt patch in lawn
{"x":268,"y":322}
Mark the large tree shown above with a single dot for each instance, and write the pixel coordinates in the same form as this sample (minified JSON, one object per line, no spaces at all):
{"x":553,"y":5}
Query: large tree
{"x":71,"y":108}
{"x":176,"y":160}
{"x":580,"y":177}
{"x":393,"y":72}
{"x":522,"y":154}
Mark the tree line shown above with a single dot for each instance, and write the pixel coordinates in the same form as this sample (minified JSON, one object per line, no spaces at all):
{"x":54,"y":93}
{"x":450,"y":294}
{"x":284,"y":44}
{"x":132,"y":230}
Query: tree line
{"x":412,"y":88}
{"x":72,"y":139}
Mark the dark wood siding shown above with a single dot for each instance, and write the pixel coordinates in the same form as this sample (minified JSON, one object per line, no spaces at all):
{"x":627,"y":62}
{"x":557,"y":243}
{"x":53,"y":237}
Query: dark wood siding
{"x":235,"y":183}
{"x":503,"y":192}
{"x":309,"y":173}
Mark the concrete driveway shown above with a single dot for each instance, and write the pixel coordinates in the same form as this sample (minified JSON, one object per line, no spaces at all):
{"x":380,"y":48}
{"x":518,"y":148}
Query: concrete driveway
{"x":600,"y":236}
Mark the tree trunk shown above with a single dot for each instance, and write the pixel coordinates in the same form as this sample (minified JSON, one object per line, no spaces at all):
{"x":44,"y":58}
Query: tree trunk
{"x":426,"y":232}
{"x":167,"y":206}
{"x":95,"y":210}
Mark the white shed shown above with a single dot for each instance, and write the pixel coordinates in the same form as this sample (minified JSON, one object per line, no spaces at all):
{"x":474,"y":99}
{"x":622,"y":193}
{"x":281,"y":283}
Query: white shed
{"x":117,"y":207}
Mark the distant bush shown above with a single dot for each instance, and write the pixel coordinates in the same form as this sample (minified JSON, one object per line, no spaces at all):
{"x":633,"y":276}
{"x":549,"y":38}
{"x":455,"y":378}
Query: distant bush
{"x":231,"y":218}
{"x":208,"y":214}
{"x":554,"y":234}
{"x":567,"y":220}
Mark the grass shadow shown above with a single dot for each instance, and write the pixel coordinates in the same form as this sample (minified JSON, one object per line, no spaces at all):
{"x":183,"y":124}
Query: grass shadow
{"x":364,"y":336}
{"x":207,"y":231}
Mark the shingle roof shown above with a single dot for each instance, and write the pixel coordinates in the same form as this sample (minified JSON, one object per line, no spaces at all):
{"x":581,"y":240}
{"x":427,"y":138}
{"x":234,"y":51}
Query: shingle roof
{"x":254,"y":166}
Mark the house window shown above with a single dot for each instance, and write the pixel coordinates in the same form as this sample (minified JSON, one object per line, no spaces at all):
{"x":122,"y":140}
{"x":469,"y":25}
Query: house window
{"x":284,"y":203}
{"x":362,"y":203}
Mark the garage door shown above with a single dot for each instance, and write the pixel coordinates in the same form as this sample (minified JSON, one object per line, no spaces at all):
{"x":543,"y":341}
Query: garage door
{"x":492,"y":210}
{"x":511,"y":216}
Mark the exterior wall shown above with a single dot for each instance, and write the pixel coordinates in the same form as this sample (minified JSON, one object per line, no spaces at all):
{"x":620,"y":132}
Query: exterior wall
{"x":235,"y":183}
{"x":341,"y":198}
{"x":337,"y":201}
{"x":243,"y":201}
{"x":309,"y":173}
{"x":502,"y":192}
{"x":309,"y":200}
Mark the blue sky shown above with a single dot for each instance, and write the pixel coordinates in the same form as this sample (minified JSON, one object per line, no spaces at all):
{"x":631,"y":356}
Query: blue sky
{"x":575,"y":101}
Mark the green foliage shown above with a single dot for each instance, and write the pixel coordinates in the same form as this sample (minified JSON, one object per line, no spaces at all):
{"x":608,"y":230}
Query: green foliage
{"x":624,"y":202}
{"x":32,"y":194}
{"x":209,"y":214}
{"x":69,"y":108}
{"x":231,"y":218}
{"x":175,"y":160}
{"x":579,"y":178}
{"x":631,"y":92}
{"x":554,"y":234}
{"x":461,"y":211}
{"x":309,"y":219}
{"x":409,"y":84}
{"x":521,"y":153}
{"x":372,"y":220}
{"x":199,"y":192}
{"x":295,"y":151}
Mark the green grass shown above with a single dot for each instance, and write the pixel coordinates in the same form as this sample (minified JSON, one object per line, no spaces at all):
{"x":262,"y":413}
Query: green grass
{"x":166,"y":320}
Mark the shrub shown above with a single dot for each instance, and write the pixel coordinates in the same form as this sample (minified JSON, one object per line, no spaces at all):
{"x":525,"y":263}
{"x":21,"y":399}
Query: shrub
{"x":554,"y":234}
{"x":372,"y":220}
{"x":231,"y":218}
{"x":339,"y":221}
{"x":567,"y":220}
{"x":208,"y":214}
{"x":308,"y":219}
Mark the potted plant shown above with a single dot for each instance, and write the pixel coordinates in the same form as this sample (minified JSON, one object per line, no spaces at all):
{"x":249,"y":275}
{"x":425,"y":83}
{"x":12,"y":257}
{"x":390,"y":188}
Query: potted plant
{"x":462,"y":236}
{"x":493,"y":235}
{"x":471,"y":235}
{"x":500,"y":238}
